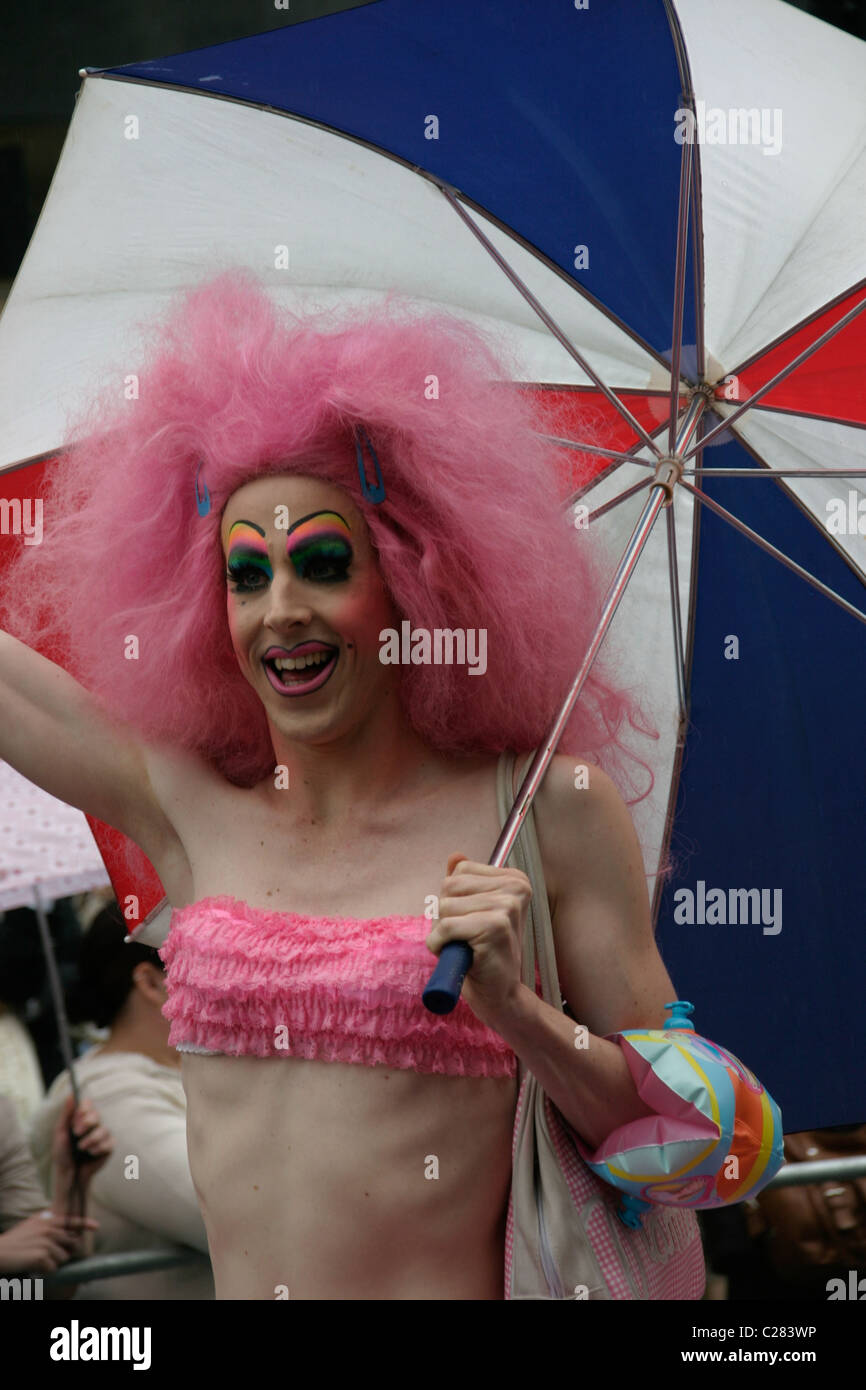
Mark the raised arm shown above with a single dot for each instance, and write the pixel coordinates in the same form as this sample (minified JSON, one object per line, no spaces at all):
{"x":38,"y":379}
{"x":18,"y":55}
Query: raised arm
{"x":55,"y":734}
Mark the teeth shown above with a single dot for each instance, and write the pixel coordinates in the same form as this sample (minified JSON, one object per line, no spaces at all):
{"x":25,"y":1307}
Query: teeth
{"x":298,"y":663}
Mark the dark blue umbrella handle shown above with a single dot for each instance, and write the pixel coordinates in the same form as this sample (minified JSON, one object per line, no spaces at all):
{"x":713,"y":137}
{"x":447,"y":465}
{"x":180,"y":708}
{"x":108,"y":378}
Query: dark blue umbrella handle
{"x":444,"y":986}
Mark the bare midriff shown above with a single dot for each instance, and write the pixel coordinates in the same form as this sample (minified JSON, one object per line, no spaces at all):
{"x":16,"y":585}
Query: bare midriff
{"x":330,"y":1180}
{"x":324,"y":1180}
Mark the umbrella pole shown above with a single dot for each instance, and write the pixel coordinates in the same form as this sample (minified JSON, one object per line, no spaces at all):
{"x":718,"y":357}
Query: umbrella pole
{"x":56,"y":992}
{"x":443,"y":988}
{"x":76,"y":1202}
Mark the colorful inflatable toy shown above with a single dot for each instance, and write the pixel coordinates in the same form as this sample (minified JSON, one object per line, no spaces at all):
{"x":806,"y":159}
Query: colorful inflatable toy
{"x":716,"y":1137}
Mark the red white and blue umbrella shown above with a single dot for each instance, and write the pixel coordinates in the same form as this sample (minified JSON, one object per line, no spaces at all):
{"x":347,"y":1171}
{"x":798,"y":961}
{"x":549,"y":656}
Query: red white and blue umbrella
{"x":629,"y":195}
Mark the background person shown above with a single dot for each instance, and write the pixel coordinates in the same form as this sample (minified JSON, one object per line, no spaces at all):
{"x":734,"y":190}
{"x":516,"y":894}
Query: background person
{"x":143,"y":1197}
{"x":37,"y":1236}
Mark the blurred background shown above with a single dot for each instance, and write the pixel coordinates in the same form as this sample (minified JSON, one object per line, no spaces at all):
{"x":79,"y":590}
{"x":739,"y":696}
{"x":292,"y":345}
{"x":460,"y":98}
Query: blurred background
{"x":42,"y":51}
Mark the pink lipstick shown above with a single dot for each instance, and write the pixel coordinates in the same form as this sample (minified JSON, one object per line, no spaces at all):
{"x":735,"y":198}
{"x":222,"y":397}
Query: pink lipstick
{"x":298,"y":681}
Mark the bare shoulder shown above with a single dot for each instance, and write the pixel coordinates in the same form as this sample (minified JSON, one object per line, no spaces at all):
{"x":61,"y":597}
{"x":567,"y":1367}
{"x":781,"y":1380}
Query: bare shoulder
{"x":583,"y":824}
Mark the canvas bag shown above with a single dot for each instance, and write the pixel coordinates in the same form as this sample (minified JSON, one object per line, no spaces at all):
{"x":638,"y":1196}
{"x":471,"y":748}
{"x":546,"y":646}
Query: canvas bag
{"x":564,"y":1238}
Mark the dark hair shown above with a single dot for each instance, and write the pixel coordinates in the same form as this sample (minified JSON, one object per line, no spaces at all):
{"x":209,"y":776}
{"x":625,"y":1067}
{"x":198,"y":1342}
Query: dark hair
{"x":105,"y":966}
{"x":22,"y":964}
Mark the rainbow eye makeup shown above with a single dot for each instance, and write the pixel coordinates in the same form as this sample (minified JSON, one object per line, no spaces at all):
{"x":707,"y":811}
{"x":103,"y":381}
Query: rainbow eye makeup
{"x":319,"y":547}
{"x":247,"y":564}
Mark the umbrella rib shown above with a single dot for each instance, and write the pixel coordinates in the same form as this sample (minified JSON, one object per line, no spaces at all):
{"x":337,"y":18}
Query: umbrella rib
{"x":549,"y":322}
{"x":673,"y":575}
{"x":679,"y":289}
{"x":778,"y":472}
{"x":698,"y":272}
{"x":795,"y":328}
{"x":777,"y":554}
{"x":797,"y":501}
{"x":728,"y":420}
{"x":614,"y":502}
{"x":597,"y":449}
{"x":809,"y":415}
{"x":687,"y":99}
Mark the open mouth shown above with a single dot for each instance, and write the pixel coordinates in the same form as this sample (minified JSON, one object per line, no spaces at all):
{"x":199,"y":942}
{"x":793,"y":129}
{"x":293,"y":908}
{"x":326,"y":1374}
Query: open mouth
{"x":303,"y":674}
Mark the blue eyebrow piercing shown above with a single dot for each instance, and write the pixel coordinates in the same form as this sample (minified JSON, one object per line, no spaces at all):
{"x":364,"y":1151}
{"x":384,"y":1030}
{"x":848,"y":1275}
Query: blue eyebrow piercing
{"x":376,"y":491}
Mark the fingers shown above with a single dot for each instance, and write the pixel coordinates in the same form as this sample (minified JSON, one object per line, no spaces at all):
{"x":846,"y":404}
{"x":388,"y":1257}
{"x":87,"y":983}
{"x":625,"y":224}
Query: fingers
{"x":473,"y":919}
{"x":58,"y":1243}
{"x":503,"y":904}
{"x":480,"y":903}
{"x":48,"y":1260}
{"x":459,"y":865}
{"x":91,"y":1137}
{"x":63,"y":1244}
{"x":470,"y":887}
{"x":62,"y":1227}
{"x":84,"y":1118}
{"x":469,"y":877}
{"x":471,"y":892}
{"x":75,"y":1223}
{"x":44,"y":1241}
{"x":96,"y":1141}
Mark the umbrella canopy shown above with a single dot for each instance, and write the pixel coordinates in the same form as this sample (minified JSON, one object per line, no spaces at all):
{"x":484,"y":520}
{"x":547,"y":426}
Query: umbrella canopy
{"x":42,"y":841}
{"x":625,"y":195}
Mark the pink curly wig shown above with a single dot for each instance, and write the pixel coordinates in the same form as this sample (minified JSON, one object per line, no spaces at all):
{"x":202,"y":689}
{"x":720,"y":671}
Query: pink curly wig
{"x":471,"y":533}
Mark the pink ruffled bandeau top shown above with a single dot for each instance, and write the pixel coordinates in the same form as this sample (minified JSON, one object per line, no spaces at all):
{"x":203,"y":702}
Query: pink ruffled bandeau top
{"x":244,"y":981}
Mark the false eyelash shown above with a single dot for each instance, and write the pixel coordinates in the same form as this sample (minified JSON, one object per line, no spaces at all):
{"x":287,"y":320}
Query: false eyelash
{"x":234,"y":577}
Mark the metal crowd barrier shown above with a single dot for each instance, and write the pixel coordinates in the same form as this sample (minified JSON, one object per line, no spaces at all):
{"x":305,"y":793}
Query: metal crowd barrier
{"x":145,"y":1261}
{"x":123,"y":1262}
{"x":797,"y":1174}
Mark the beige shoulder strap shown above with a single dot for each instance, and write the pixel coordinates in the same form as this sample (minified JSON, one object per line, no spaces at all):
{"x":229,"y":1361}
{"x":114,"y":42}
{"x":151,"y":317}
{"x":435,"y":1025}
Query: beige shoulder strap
{"x":526,"y":856}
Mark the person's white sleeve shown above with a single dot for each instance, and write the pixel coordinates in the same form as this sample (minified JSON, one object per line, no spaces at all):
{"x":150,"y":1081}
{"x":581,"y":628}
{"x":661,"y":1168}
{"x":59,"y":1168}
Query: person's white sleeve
{"x":21,"y":1193}
{"x":147,"y":1177}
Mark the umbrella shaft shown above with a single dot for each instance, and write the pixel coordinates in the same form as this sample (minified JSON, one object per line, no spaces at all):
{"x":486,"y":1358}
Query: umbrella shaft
{"x":56,"y":994}
{"x":659,"y":491}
